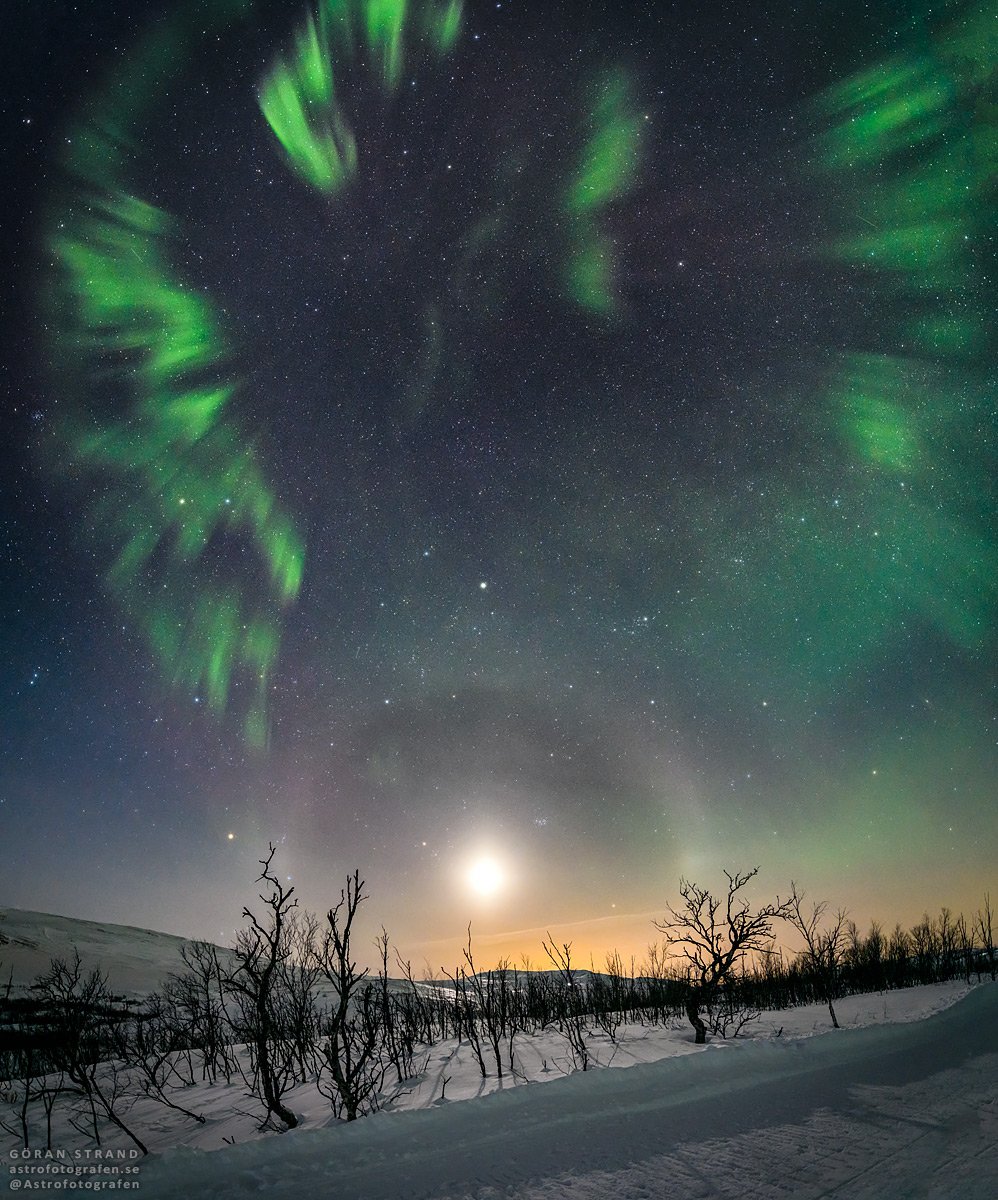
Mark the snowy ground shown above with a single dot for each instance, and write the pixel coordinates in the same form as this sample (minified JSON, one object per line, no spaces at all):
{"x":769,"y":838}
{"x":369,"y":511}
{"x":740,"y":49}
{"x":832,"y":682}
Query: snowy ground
{"x":902,"y":1102}
{"x":889,"y":1111}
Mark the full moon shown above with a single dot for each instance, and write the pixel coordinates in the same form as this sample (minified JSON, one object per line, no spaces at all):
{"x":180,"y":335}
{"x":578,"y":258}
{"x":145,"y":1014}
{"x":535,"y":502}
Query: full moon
{"x":485,"y":877}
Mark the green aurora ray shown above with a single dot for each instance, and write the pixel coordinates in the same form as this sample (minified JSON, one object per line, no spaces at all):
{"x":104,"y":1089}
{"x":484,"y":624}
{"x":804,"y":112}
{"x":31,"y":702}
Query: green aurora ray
{"x":148,"y":424}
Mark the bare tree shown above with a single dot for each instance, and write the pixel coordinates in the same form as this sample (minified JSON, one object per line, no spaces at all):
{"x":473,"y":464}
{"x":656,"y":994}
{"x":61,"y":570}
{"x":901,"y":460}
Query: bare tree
{"x":465,"y":1013}
{"x":965,"y":945}
{"x":824,"y":944}
{"x":198,"y":998}
{"x":925,"y":947}
{"x":153,"y":1052}
{"x":351,"y":1045}
{"x":984,"y":931}
{"x":260,"y":953}
{"x":401,"y":1018}
{"x":898,"y":957}
{"x":83,"y":1019}
{"x":491,"y":999}
{"x":300,"y":971}
{"x":21,"y":1071}
{"x":713,"y":935}
{"x":572,"y":1022}
{"x":948,"y":943}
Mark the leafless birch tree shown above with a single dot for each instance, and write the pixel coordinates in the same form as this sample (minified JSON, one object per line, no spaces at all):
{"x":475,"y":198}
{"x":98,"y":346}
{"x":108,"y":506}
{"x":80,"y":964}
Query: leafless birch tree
{"x":712,"y":936}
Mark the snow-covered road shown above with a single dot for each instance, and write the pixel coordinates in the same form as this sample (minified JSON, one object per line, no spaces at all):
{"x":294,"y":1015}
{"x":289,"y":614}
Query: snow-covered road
{"x":901,"y":1111}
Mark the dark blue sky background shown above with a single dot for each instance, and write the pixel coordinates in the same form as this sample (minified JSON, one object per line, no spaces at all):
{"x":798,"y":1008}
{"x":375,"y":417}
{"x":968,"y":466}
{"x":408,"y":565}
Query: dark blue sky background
{"x":609,"y":599}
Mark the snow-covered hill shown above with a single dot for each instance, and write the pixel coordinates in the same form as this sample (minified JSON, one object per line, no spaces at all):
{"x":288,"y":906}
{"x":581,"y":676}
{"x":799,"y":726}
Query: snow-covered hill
{"x":136,"y":961}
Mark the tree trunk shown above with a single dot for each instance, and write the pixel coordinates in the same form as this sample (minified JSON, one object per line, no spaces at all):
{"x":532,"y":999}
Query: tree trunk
{"x":271,"y":1094}
{"x":693,"y":1013}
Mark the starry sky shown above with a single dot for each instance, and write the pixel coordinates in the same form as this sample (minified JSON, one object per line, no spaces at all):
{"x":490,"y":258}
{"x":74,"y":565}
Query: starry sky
{"x":507,"y":433}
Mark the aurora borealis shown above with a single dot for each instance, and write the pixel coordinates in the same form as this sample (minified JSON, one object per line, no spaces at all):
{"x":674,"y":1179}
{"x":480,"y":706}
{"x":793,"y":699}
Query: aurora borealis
{"x":439,"y":432}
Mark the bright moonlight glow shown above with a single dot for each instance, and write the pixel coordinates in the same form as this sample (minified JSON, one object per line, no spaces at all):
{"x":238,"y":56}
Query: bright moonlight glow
{"x":485,"y":877}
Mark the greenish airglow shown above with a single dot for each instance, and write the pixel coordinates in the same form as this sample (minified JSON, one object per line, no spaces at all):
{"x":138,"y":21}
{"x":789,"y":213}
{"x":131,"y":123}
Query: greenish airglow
{"x":900,"y":153}
{"x":610,"y":159}
{"x":881,"y":429}
{"x":384,"y":21}
{"x":893,"y":108}
{"x":315,"y":70}
{"x":589,"y":275}
{"x":606,"y":172}
{"x":298,"y":97}
{"x":957,"y":334}
{"x":923,"y":247}
{"x":875,"y":417}
{"x":148,"y":418}
{"x":336,"y":25}
{"x":298,"y":104}
{"x":443,"y":25}
{"x":818,"y":576}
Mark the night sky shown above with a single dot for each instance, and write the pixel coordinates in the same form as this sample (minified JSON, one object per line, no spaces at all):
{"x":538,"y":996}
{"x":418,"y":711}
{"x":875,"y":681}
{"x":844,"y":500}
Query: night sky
{"x":560,"y":438}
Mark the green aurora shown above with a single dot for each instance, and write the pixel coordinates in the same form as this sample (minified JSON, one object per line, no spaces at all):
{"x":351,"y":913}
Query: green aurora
{"x":176,"y":478}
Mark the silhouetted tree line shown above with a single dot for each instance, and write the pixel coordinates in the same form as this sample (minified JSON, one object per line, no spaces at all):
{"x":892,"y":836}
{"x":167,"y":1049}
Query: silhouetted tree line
{"x":287,"y":1005}
{"x":934,"y":950}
